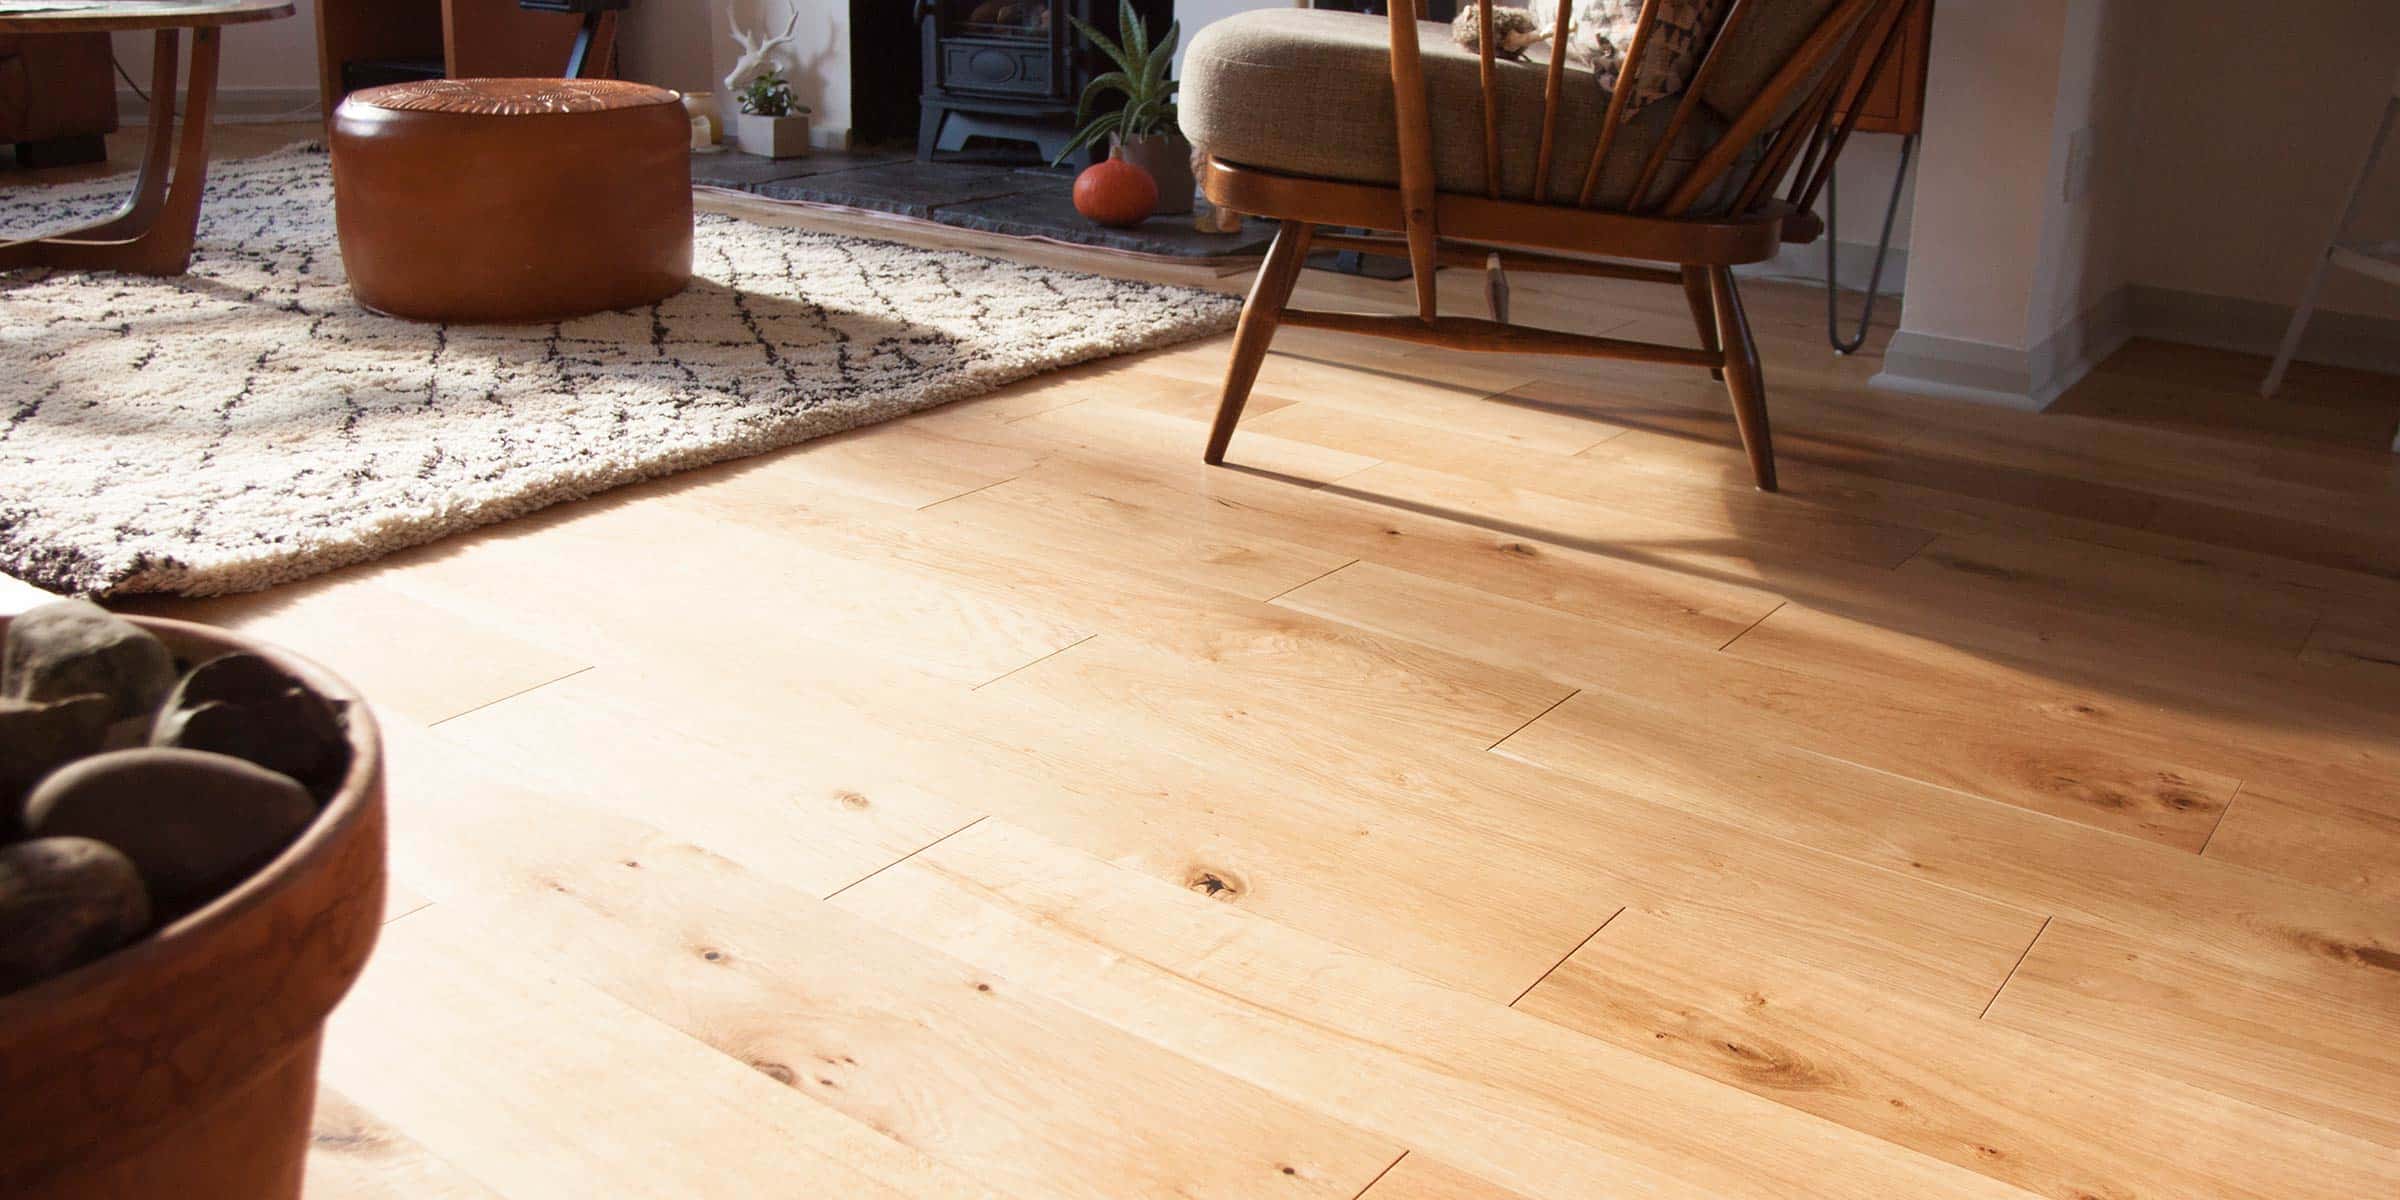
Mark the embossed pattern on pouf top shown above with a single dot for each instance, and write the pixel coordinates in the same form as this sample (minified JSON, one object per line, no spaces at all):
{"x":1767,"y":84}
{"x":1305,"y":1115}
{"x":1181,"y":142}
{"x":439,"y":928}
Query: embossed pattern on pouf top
{"x":512,"y":97}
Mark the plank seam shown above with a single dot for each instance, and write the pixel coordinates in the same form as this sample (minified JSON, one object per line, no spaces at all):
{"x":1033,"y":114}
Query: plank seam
{"x":1043,"y":659}
{"x":1387,"y":1169}
{"x":969,"y":492}
{"x":1919,"y":552}
{"x":511,"y":696}
{"x":1762,"y":619}
{"x":1311,"y":579}
{"x":1530,"y":720}
{"x":1041,"y":412}
{"x":2013,"y":968}
{"x":1563,"y":959}
{"x":905,"y":857}
{"x":2315,"y":625}
{"x":2222,"y":813}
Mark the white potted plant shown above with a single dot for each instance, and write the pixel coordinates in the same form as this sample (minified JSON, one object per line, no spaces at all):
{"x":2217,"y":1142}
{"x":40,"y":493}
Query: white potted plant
{"x":771,"y":124}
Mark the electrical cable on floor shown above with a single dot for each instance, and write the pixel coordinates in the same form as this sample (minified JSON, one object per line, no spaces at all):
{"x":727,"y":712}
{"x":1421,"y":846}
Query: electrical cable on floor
{"x":128,"y":78}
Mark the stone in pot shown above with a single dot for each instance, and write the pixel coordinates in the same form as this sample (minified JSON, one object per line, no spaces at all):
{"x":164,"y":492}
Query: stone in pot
{"x":194,"y":823}
{"x":74,"y":648}
{"x":244,"y":706}
{"x":37,"y":738}
{"x":64,"y":902}
{"x":184,"y":1064}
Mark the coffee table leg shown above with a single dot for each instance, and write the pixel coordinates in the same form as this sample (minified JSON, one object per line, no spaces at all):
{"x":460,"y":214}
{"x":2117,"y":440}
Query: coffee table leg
{"x":152,"y":233}
{"x":150,"y":187}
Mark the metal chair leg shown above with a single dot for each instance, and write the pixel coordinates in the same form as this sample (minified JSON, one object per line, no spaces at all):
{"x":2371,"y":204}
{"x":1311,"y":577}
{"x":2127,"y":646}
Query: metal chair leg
{"x":1883,"y":249}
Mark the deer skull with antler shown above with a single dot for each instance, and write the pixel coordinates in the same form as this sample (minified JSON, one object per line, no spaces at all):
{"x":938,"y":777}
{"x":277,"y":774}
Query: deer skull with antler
{"x":757,"y":52}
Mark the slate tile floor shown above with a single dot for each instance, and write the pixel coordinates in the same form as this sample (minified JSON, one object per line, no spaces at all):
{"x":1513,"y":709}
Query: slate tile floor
{"x":999,"y":197}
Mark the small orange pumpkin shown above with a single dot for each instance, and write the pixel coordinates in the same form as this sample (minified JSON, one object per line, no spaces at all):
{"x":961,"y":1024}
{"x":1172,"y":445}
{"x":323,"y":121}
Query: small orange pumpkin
{"x":1116,"y":192}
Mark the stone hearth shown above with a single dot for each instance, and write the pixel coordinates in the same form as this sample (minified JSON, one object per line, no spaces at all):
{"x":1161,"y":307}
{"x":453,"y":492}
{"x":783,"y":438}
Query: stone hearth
{"x":996,"y":197}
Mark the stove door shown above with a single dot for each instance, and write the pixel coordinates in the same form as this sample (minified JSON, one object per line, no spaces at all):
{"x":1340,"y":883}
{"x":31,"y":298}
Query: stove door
{"x":1001,"y":48}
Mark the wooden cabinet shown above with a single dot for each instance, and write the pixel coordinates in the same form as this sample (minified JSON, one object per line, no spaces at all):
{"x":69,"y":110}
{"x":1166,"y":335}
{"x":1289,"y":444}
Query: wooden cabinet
{"x":1897,"y":103}
{"x":58,"y":97}
{"x":368,"y":41}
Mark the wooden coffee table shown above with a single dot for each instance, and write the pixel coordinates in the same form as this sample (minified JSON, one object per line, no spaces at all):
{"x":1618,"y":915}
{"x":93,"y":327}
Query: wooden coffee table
{"x":151,"y":233}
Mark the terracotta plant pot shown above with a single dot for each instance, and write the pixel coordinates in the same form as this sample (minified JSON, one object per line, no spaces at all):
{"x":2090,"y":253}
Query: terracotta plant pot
{"x":1168,"y":159}
{"x":1116,"y":193}
{"x":185,"y":1065}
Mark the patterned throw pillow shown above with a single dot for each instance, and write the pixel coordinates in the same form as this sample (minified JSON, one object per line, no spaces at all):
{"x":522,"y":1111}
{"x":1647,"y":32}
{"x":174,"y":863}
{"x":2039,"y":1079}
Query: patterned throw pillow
{"x":1681,"y":35}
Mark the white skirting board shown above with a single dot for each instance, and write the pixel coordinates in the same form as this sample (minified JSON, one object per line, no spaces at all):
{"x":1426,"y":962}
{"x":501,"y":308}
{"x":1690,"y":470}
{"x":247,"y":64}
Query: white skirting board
{"x":236,"y":106}
{"x":2033,"y":378}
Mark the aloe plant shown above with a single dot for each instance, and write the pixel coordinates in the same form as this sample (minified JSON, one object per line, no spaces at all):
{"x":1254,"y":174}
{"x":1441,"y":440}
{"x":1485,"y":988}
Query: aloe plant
{"x":1141,"y":77}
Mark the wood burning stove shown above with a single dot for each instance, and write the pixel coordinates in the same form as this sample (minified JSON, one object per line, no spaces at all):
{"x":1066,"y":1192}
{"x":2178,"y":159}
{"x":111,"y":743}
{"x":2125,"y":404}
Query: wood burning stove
{"x":1011,"y":69}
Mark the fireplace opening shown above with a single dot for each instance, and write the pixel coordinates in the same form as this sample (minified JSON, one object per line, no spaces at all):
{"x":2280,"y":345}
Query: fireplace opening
{"x":1006,"y":73}
{"x":1025,"y":19}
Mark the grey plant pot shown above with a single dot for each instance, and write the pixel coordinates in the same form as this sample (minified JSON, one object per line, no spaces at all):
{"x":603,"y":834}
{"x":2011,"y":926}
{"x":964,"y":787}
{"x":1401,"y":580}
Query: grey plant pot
{"x":1168,"y":159}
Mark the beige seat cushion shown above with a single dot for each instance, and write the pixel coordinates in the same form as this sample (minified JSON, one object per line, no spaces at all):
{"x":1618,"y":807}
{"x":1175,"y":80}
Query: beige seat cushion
{"x":1305,"y":92}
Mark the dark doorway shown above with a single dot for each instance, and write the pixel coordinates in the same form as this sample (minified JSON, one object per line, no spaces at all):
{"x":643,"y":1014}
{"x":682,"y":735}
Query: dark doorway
{"x":885,"y":72}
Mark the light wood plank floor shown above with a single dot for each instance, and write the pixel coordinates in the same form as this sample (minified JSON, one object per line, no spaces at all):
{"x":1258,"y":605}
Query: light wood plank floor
{"x":1473,"y":790}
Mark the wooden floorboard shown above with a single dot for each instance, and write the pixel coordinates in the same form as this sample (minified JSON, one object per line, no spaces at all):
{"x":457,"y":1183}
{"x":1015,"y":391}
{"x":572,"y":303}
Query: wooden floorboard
{"x":353,"y":1154}
{"x":2006,"y":1104}
{"x":1944,"y":739}
{"x":1472,"y":789}
{"x":2331,"y":842}
{"x":2324,"y":1058}
{"x":1421,"y":1177}
{"x":1523,"y":1102}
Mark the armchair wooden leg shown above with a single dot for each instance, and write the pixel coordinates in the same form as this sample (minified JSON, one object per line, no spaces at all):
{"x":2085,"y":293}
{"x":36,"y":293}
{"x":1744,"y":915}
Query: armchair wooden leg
{"x":1742,"y":377}
{"x":1704,"y":314}
{"x":1495,"y":287}
{"x":1268,"y":294}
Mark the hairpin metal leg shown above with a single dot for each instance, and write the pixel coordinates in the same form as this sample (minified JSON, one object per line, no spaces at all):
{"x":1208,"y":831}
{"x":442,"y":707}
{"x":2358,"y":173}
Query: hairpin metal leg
{"x":582,"y":48}
{"x":1883,"y":248}
{"x":598,"y":30}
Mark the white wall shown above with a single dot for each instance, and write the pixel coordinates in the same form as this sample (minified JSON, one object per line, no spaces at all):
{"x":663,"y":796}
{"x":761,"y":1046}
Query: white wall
{"x":1196,"y":13}
{"x":2254,"y":121}
{"x":817,"y":61}
{"x":1864,"y":174}
{"x":2084,"y":255}
{"x":264,"y":68}
{"x":2223,"y":137}
{"x":1982,"y":178}
{"x":669,"y":43}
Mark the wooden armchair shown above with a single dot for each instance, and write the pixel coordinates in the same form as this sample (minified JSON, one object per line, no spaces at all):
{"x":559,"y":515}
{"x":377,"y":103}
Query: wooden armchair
{"x":1499,"y":165}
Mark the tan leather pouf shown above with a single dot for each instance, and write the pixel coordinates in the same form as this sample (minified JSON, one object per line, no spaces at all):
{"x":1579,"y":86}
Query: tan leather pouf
{"x":513,"y":200}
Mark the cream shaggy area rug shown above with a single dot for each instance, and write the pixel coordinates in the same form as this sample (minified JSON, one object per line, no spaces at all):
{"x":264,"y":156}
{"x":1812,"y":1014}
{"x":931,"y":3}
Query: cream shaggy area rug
{"x":249,"y":424}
